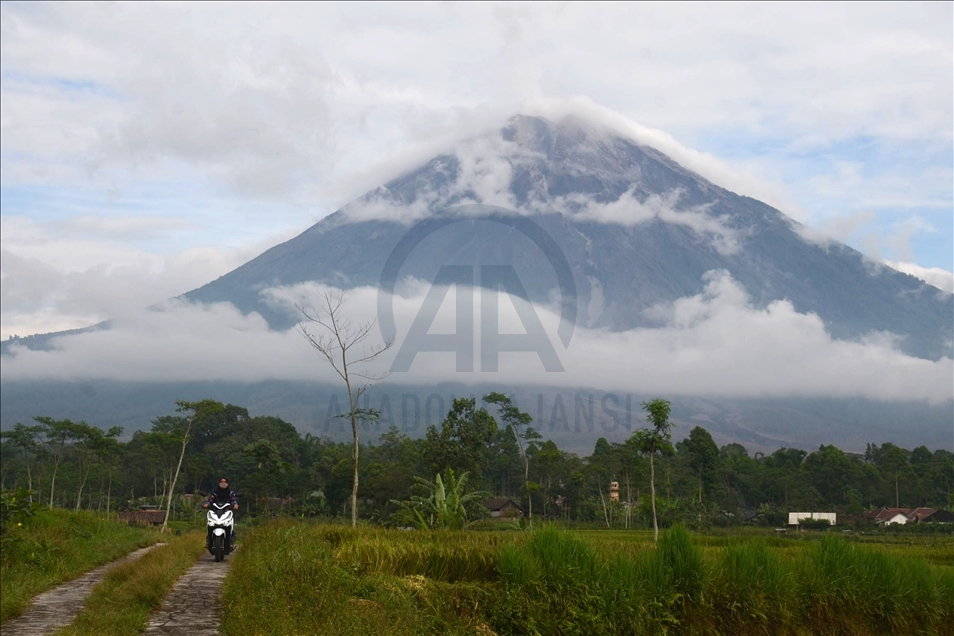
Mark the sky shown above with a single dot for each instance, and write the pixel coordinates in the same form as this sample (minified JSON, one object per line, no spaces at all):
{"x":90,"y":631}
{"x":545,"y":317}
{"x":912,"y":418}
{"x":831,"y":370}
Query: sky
{"x":147,"y":149}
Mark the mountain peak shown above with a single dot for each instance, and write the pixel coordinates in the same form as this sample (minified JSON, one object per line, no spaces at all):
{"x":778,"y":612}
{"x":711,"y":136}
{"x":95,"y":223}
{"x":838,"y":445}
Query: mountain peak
{"x":639,"y":230}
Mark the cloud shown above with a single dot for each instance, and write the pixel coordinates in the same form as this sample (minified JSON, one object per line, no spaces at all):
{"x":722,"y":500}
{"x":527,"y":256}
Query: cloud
{"x":481,"y":170}
{"x":75,"y":273}
{"x":628,"y":210}
{"x":713,"y":343}
{"x":940,"y":278}
{"x":819,"y":111}
{"x":273,"y":99}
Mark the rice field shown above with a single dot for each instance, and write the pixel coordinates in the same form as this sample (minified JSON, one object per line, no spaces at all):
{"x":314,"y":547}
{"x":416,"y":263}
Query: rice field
{"x":293,"y":577}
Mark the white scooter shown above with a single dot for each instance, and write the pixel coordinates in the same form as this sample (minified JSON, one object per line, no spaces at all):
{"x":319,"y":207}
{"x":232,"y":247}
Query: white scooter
{"x":222,"y":522}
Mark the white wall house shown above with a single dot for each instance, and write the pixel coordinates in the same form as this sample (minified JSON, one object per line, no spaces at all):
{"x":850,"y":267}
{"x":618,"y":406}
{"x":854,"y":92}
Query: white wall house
{"x":899,"y":518}
{"x":795,"y":517}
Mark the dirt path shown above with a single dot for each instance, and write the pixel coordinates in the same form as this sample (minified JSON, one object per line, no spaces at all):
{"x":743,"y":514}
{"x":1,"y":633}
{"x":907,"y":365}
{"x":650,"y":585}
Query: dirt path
{"x":192,"y":608}
{"x":59,"y":606}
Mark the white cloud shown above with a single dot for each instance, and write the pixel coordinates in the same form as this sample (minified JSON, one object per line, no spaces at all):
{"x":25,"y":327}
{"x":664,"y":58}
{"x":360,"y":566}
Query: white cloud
{"x":940,"y":278}
{"x":75,"y":273}
{"x":714,"y":343}
{"x":628,"y":210}
{"x":305,"y":107}
{"x":484,"y":172}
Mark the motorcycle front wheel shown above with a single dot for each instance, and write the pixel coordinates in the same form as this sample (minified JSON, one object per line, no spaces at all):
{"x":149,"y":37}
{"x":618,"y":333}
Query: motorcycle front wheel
{"x":218,"y":548}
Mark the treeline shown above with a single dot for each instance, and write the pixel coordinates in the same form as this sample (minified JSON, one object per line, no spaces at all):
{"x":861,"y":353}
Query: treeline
{"x":273,"y":467}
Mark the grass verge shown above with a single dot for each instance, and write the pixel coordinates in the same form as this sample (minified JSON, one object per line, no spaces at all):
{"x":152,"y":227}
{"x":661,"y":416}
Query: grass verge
{"x":122,"y":602}
{"x":56,"y":546}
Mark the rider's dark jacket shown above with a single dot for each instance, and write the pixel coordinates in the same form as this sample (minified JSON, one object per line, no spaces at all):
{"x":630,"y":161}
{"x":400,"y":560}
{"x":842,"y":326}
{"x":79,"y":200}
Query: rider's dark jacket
{"x":222,"y":495}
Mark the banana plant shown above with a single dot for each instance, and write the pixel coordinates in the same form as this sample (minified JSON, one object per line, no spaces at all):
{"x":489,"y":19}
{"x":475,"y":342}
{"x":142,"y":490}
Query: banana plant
{"x":446,"y":503}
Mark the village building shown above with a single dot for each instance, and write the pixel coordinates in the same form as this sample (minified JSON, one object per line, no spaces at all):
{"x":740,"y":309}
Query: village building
{"x":889,"y":516}
{"x":503,"y":508}
{"x":920,"y":514}
{"x":795,"y":517}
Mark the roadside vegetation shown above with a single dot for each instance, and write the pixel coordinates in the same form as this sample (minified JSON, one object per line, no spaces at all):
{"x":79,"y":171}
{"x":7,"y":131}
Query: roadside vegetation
{"x":50,"y":547}
{"x":298,"y":577}
{"x":122,"y":602}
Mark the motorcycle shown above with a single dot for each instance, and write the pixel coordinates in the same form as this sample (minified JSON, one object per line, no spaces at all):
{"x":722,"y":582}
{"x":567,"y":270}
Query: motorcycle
{"x":222,"y":522}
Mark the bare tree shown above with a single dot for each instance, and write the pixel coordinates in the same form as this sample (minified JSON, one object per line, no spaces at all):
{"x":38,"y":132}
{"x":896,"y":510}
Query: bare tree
{"x":335,"y":343}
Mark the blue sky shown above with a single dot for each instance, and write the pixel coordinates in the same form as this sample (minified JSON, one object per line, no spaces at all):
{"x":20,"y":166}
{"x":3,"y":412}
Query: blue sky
{"x":147,"y":149}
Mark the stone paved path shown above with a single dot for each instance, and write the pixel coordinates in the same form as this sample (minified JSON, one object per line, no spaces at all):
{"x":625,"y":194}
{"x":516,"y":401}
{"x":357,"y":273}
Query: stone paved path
{"x":192,"y":608}
{"x":59,"y":606}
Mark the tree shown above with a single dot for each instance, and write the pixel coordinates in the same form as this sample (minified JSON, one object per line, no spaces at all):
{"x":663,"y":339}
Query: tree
{"x":515,"y":418}
{"x":268,"y":461}
{"x":703,"y":457}
{"x":92,"y":445}
{"x":893,"y":460}
{"x":24,"y":438}
{"x":465,"y":441}
{"x":651,"y":441}
{"x":335,"y":345}
{"x":829,"y":469}
{"x":202,"y":408}
{"x":58,"y":434}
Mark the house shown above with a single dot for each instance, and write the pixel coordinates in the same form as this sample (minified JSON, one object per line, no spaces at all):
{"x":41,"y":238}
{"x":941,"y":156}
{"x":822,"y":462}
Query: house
{"x":920,"y":514}
{"x":939,"y":516}
{"x":795,"y":517}
{"x":888,"y":516}
{"x":503,"y":508}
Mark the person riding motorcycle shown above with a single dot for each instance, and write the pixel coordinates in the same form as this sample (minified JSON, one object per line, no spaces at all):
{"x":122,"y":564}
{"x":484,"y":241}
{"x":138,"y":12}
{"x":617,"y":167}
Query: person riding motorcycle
{"x":220,"y":495}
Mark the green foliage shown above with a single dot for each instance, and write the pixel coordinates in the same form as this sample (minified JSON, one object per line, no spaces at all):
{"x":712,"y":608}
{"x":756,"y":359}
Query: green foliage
{"x":683,"y":560}
{"x":15,"y":508}
{"x":447,"y":505}
{"x":56,"y":546}
{"x":753,"y":587}
{"x":465,"y":441}
{"x":697,"y":484}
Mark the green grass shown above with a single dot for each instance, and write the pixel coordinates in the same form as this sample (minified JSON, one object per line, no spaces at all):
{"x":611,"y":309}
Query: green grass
{"x":56,"y":546}
{"x":122,"y":602}
{"x":298,"y":578}
{"x":295,"y":578}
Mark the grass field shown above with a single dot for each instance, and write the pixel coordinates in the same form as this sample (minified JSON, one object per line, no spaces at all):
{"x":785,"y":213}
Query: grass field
{"x":56,"y":546}
{"x":298,"y":578}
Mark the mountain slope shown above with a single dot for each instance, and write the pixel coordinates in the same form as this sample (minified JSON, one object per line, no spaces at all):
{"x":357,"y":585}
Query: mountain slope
{"x":637,"y":229}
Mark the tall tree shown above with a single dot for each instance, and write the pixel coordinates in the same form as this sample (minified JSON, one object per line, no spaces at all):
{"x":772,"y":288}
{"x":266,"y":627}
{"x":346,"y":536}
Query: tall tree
{"x":203,"y":408}
{"x":515,"y":418}
{"x":24,"y":439}
{"x":703,"y":458}
{"x":651,"y":441}
{"x":335,"y":343}
{"x":893,"y":460}
{"x":269,"y":463}
{"x":91,"y":445}
{"x":58,"y":435}
{"x":465,"y":441}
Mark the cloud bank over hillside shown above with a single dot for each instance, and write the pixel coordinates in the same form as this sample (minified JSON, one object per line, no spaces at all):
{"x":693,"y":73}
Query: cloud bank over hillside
{"x":713,"y":343}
